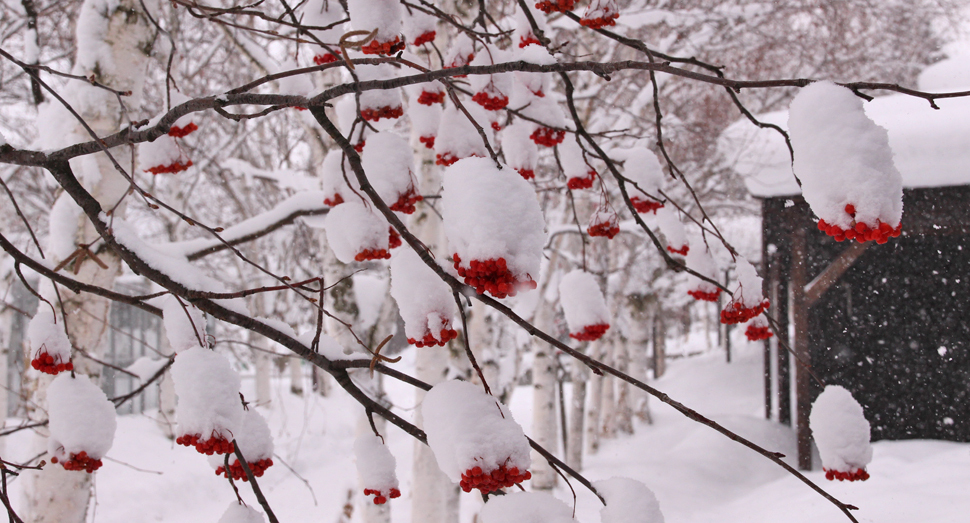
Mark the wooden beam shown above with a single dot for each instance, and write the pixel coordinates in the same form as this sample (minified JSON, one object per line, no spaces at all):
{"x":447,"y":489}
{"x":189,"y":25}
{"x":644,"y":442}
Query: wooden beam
{"x":817,"y":287}
{"x":798,"y":314}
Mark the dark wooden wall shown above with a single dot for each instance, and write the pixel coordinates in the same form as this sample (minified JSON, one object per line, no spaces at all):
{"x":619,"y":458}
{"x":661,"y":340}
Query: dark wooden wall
{"x":895,"y":329}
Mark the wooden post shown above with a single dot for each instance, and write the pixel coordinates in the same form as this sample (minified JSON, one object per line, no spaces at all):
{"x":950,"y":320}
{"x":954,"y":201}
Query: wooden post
{"x":799,"y":318}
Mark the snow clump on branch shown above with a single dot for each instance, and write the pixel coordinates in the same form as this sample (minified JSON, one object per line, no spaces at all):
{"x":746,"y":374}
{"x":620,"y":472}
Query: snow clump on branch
{"x":628,"y":501}
{"x":699,"y":260}
{"x":641,"y":166}
{"x":357,"y":233}
{"x":382,"y":16}
{"x":425,"y":301}
{"x":458,"y":137}
{"x":841,"y":432}
{"x":50,"y":349}
{"x":184,"y":324}
{"x":255,"y":444}
{"x":584,"y":306}
{"x":209,"y":411}
{"x":749,"y":299}
{"x":474,"y":438}
{"x":82,"y":423}
{"x":376,"y":468}
{"x":845,"y":165}
{"x":494,"y":226}
{"x":388,"y":162}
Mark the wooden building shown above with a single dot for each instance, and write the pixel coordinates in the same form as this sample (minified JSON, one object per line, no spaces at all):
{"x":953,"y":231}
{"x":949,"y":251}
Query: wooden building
{"x":890,"y":322}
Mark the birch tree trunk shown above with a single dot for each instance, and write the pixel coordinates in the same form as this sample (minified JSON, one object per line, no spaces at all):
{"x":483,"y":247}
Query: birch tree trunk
{"x":623,"y":414}
{"x":577,"y":413}
{"x":166,"y":395}
{"x":118,"y":61}
{"x":607,"y":404}
{"x":295,"y":364}
{"x":640,"y":333}
{"x":595,"y":391}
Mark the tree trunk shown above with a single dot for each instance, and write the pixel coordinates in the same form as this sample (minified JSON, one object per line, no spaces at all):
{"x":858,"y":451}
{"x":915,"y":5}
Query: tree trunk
{"x":640,"y":332}
{"x":595,"y":386}
{"x":264,"y":370}
{"x":544,"y":419}
{"x":296,"y":374}
{"x":607,"y":394}
{"x":623,"y":415}
{"x":577,"y":411}
{"x":166,"y":395}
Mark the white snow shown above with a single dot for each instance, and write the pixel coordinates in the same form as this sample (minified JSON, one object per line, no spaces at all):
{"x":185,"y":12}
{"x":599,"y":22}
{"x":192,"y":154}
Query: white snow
{"x":573,"y":160}
{"x":46,"y":334}
{"x":628,"y":501}
{"x":457,"y":137}
{"x":381,"y":15}
{"x":237,"y":513}
{"x":461,"y":52}
{"x":526,"y":507}
{"x":522,"y":33}
{"x":335,"y":172}
{"x":536,"y":54}
{"x":425,"y":301}
{"x":208,"y":394}
{"x":749,"y":291}
{"x":521,"y":153}
{"x":582,"y":301}
{"x":468,"y":428}
{"x":81,"y":418}
{"x":842,"y":157}
{"x":375,"y":100}
{"x":388,"y":162}
{"x":376,"y":465}
{"x":840,"y":430}
{"x":184,"y":324}
{"x":254,"y":441}
{"x":146,"y":367}
{"x":494,"y":86}
{"x":425,"y":120}
{"x":642,"y":167}
{"x":492,"y":213}
{"x":163,"y":153}
{"x":418,"y":24}
{"x":352,"y":228}
{"x":63,"y":223}
{"x":699,"y":259}
{"x":668,"y":219}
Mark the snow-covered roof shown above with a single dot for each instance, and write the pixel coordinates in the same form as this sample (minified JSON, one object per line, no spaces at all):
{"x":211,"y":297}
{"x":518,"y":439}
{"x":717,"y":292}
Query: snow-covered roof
{"x":931,"y":147}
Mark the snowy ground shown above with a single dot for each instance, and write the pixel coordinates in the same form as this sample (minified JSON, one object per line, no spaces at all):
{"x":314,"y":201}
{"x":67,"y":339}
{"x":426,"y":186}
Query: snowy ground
{"x":698,"y":475}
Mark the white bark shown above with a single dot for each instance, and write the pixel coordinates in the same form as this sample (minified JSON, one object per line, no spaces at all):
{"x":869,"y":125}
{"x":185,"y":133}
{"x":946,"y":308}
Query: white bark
{"x":595,"y":392}
{"x":166,"y":396}
{"x":296,"y":374}
{"x":607,"y":402}
{"x":6,"y":329}
{"x":370,"y":512}
{"x":264,"y":371}
{"x":623,"y":414}
{"x":640,"y":333}
{"x":577,"y":413}
{"x":544,"y":413}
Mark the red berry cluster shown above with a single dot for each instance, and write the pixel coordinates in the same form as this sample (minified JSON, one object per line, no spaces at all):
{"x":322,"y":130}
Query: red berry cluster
{"x":683,"y":250}
{"x":235,"y":468}
{"x":79,"y":462}
{"x":428,"y":98}
{"x":393,"y":238}
{"x":756,"y":333}
{"x":360,"y":146}
{"x":590,"y":332}
{"x":496,"y":126}
{"x":586,"y":182}
{"x":379,"y":497}
{"x":372,"y":254}
{"x":458,"y":62}
{"x":492,"y":276}
{"x":738,"y":313}
{"x":852,"y":475}
{"x":491,"y":103}
{"x":705,"y":296}
{"x":47,"y":364}
{"x":405,"y":202}
{"x":861,"y":232}
{"x":323,"y":59}
{"x":547,"y":136}
{"x":527,"y":40}
{"x":608,"y":229}
{"x":600,"y":21}
{"x":216,"y":444}
{"x":445,"y":159}
{"x":424,"y":38}
{"x":428,"y":141}
{"x":644,"y":206}
{"x":528,"y":174}
{"x":383,"y":48}
{"x":490,"y":482}
{"x":334,"y":201}
{"x":175,"y":167}
{"x":430,"y":341}
{"x":373,"y":115}
{"x":552,"y":6}
{"x":181,"y":132}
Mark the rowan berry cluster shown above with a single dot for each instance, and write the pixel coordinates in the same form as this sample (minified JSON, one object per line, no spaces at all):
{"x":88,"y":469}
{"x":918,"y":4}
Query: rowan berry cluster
{"x":445,"y":159}
{"x":79,"y":462}
{"x":553,"y":6}
{"x":405,"y":202}
{"x":608,"y":229}
{"x":360,"y":146}
{"x":644,"y":206}
{"x":682,"y":250}
{"x":236,"y":469}
{"x":216,"y":444}
{"x":334,"y":201}
{"x":373,"y":115}
{"x":393,"y":239}
{"x":698,"y":294}
{"x":372,"y":254}
{"x":181,"y":132}
{"x":547,"y":136}
{"x":47,"y":364}
{"x":425,"y":37}
{"x":600,"y":21}
{"x":738,"y":313}
{"x":429,"y":98}
{"x":852,"y":475}
{"x":492,"y":276}
{"x":490,"y":482}
{"x":329,"y":58}
{"x":383,"y":48}
{"x":446,"y":335}
{"x":590,"y":332}
{"x":379,"y":497}
{"x":175,"y":167}
{"x":527,"y":40}
{"x":491,"y":101}
{"x":428,"y":141}
{"x":585,"y":182}
{"x":528,"y":174}
{"x":757,"y":332}
{"x":861,"y":232}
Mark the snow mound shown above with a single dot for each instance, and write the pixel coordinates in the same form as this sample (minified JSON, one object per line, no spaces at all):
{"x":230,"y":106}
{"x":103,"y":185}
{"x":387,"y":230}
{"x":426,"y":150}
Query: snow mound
{"x":628,"y":501}
{"x":237,"y":513}
{"x":82,"y":422}
{"x":425,"y":301}
{"x":208,"y":397}
{"x":376,"y":468}
{"x":357,"y":233}
{"x":50,"y":350}
{"x":840,"y":430}
{"x":526,"y":507}
{"x":583,"y":305}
